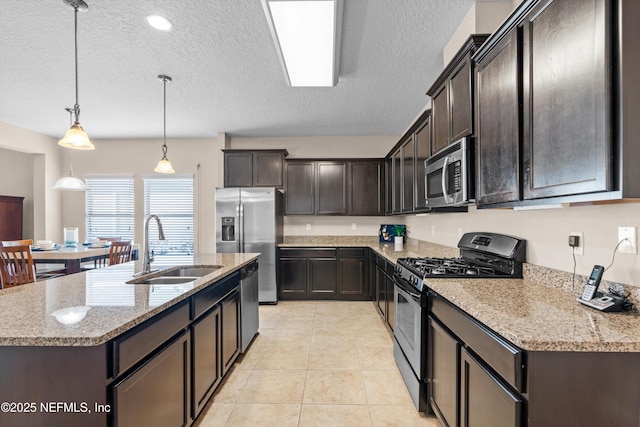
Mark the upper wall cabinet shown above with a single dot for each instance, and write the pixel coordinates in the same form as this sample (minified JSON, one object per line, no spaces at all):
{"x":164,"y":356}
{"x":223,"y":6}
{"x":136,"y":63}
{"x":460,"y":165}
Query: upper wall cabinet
{"x":254,"y":168}
{"x":555,"y":104}
{"x":334,"y":187}
{"x":405,"y":168}
{"x":452,"y":97}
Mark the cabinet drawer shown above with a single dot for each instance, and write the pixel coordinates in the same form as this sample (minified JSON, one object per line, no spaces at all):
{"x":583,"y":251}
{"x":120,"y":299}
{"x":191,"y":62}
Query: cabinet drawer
{"x":388,"y":268}
{"x":502,"y":356}
{"x":308,"y":253}
{"x":351,"y":253}
{"x":207,"y":298}
{"x":145,"y":338}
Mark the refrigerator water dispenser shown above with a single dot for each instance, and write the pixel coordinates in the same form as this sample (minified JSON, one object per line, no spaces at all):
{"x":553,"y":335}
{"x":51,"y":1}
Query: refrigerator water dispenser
{"x":228,"y":229}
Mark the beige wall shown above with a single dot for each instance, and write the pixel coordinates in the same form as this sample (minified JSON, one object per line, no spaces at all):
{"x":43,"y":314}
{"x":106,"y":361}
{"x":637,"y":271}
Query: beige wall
{"x":16,"y":179}
{"x":482,"y":18}
{"x":44,"y":206}
{"x":200,"y":157}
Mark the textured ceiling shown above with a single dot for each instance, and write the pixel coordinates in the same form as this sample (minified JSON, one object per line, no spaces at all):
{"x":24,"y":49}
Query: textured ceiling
{"x":225,"y":70}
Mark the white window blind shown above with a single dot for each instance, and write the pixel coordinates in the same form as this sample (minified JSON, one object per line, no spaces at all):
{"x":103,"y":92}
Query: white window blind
{"x":171,"y":199}
{"x":109,"y":206}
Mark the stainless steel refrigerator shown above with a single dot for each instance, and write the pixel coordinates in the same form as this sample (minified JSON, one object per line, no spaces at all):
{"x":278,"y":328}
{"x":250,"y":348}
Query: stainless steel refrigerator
{"x":250,"y":220}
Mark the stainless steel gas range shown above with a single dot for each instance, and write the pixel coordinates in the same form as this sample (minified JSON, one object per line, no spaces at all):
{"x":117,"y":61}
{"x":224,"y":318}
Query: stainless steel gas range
{"x":482,"y":255}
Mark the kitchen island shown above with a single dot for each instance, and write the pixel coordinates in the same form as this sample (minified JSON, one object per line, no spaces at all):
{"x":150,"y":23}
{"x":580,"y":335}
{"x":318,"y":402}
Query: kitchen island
{"x":92,"y":349}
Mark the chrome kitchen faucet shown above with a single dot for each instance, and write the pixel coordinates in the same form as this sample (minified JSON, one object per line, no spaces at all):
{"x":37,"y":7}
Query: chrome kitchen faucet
{"x":148,"y":255}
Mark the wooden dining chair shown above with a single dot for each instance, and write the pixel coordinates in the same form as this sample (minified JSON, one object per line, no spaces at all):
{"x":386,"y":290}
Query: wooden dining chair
{"x":16,"y":266}
{"x":17,"y":242}
{"x":120,"y":252}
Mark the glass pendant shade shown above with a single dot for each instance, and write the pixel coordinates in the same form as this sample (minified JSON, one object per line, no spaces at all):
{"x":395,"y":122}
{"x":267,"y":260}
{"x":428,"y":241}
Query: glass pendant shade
{"x":70,"y":183}
{"x":164,"y":166}
{"x":76,"y":138}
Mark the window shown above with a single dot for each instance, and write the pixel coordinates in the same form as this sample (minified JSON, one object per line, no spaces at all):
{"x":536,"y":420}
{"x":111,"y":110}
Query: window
{"x":109,"y":206}
{"x":171,"y":199}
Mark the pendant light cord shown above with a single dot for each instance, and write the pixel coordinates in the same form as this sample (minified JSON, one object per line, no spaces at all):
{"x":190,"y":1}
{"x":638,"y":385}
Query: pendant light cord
{"x":164,"y":141}
{"x":76,"y":108}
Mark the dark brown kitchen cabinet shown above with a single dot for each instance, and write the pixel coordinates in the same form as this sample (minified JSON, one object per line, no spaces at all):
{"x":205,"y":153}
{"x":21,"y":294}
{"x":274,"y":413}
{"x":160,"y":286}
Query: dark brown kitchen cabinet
{"x":384,"y":290}
{"x":299,"y":187}
{"x":11,"y":218}
{"x":331,"y":188}
{"x":422,"y":139}
{"x":334,"y":187}
{"x":163,"y":382}
{"x":352,"y":283}
{"x":444,"y":373}
{"x":396,"y":179}
{"x":484,"y":399}
{"x":254,"y":168}
{"x":388,"y":186}
{"x":230,"y":329}
{"x":322,"y":273}
{"x":497,"y":124}
{"x":452,"y":97}
{"x":365,"y":193}
{"x":567,"y":127}
{"x":408,"y":174}
{"x":207,"y":366}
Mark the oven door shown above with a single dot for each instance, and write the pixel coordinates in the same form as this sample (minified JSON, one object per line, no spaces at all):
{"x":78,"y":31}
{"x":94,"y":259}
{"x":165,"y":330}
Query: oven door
{"x":409,"y":326}
{"x":447,"y":176}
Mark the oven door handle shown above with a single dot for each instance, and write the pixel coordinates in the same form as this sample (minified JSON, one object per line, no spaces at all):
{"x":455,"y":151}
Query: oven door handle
{"x":404,"y":289}
{"x":445,"y":165}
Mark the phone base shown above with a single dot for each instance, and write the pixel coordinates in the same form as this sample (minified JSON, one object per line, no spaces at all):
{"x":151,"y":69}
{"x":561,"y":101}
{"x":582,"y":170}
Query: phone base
{"x":606,"y":303}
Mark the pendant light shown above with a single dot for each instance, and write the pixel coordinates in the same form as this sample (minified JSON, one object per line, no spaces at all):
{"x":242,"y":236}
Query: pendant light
{"x":164,"y":165}
{"x":76,"y":137}
{"x":70,"y":183}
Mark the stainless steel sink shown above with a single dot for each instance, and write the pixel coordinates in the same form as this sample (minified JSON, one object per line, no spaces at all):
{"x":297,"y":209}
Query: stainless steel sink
{"x":191,"y":271}
{"x":163,"y":281}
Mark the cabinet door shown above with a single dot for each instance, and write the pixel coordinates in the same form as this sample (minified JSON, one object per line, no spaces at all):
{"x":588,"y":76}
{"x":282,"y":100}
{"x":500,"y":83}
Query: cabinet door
{"x":388,"y":180}
{"x":158,"y":393}
{"x":267,"y":169}
{"x":440,"y":123}
{"x":230,"y":330}
{"x":423,"y":152}
{"x":299,"y":186}
{"x":351,"y":278}
{"x":460,"y":101}
{"x":331,"y":188}
{"x":293,"y":277}
{"x":365,"y":188}
{"x":397,"y":181}
{"x":206,"y":369}
{"x":484,"y":400}
{"x":11,"y":217}
{"x":444,"y":373}
{"x":322,"y":279}
{"x":391,"y":305}
{"x":381,"y":290}
{"x":238,"y":169}
{"x":567,"y":109}
{"x":408,"y":174}
{"x":497,"y":125}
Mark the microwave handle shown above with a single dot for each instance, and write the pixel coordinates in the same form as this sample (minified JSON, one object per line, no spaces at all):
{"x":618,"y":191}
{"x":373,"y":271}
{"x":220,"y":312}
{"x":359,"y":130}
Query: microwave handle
{"x":445,"y":164}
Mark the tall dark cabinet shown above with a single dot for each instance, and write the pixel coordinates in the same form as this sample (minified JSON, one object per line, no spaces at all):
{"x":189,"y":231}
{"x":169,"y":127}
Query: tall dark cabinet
{"x":254,"y":168}
{"x":11,"y":218}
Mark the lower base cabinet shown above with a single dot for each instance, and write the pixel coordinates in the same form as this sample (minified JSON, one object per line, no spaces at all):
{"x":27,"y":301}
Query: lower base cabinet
{"x":157,"y":393}
{"x":322,"y":274}
{"x":444,"y":373}
{"x":384,"y":290}
{"x":230,"y":340}
{"x":207,"y":366}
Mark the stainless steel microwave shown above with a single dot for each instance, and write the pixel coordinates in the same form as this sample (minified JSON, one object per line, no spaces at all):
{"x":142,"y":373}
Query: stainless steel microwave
{"x":449,"y":176}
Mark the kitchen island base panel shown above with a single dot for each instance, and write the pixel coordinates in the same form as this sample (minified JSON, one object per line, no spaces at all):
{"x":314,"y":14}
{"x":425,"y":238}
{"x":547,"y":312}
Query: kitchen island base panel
{"x":583,"y":389}
{"x":54,"y":386}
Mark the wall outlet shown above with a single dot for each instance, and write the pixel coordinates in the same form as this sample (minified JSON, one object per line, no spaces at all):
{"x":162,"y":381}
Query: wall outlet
{"x":308,"y":227}
{"x":578,"y":250}
{"x":353,"y":225}
{"x":630,"y":245}
{"x":433,"y":230}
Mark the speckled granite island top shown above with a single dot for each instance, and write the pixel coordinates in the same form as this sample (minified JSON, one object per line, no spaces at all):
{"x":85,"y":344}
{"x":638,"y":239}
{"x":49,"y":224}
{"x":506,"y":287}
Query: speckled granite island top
{"x":26,"y":312}
{"x":537,"y":313}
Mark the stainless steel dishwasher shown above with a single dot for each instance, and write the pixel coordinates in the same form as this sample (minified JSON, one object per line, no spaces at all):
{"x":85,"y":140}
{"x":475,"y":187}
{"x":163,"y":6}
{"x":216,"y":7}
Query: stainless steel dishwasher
{"x":249,"y":314}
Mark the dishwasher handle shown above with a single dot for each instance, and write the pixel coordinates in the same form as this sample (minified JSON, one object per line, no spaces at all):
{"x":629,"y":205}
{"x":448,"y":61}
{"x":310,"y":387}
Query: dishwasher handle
{"x":249,"y":270}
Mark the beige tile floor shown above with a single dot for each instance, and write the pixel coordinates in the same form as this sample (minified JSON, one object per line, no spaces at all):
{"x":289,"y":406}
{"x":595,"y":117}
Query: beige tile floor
{"x":318,"y":363}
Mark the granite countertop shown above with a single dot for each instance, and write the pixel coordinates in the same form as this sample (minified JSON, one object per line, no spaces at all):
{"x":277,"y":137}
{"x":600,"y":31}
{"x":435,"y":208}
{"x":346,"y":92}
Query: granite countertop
{"x":536,"y":313}
{"x":26,"y":312}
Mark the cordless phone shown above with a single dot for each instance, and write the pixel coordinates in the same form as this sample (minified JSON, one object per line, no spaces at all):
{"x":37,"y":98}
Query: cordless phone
{"x":591,"y":287}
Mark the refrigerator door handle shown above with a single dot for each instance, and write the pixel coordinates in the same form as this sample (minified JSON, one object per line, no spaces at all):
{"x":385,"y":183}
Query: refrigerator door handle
{"x":241,"y":237}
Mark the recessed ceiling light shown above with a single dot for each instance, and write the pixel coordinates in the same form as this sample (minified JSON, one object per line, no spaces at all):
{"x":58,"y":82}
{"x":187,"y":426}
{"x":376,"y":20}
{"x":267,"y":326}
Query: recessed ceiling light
{"x":159,"y":22}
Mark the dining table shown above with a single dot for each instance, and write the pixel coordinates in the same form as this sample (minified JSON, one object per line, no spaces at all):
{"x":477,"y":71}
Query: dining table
{"x":73,"y":257}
